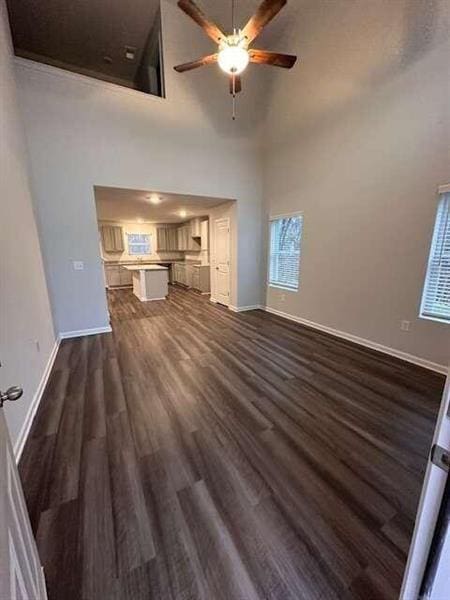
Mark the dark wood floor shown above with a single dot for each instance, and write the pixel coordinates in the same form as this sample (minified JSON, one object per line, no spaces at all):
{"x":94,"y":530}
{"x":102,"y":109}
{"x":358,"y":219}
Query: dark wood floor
{"x":197,"y":453}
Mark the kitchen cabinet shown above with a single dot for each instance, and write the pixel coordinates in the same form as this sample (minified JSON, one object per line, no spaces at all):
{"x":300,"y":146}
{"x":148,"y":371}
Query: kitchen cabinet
{"x":126,"y":276}
{"x":195,"y":226}
{"x":204,"y":235}
{"x":194,"y":244}
{"x":188,"y":275}
{"x":179,"y":273}
{"x":112,"y":238}
{"x":112,"y":275}
{"x":172,"y":239}
{"x":117,"y":276}
{"x":180,"y":238}
{"x":184,"y":237}
{"x":166,"y":239}
{"x":201,"y":278}
{"x":161,"y":239}
{"x":189,"y":236}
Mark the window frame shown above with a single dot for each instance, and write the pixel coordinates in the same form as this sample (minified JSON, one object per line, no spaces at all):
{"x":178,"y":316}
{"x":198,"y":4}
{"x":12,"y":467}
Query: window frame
{"x":272,"y":218}
{"x":130,"y":245}
{"x":443,"y":191}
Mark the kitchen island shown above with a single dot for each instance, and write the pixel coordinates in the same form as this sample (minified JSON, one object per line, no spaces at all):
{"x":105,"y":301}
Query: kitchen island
{"x":150,"y":282}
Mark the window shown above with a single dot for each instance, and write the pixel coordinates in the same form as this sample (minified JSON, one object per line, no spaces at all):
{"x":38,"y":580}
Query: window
{"x":139,"y":243}
{"x":436,"y":293}
{"x":284,"y":260}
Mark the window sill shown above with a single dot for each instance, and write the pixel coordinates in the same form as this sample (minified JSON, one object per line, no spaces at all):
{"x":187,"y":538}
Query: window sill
{"x":436,"y":319}
{"x":282,"y":287}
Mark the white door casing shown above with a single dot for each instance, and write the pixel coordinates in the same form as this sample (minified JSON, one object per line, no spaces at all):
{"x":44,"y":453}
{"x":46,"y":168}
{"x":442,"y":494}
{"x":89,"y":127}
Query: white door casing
{"x":221,"y":265}
{"x":429,"y":505}
{"x":21,"y":574}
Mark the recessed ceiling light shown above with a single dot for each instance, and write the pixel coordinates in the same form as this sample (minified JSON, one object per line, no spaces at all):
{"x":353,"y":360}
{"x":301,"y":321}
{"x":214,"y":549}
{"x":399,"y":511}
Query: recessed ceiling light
{"x":183,"y":213}
{"x":154,"y":199}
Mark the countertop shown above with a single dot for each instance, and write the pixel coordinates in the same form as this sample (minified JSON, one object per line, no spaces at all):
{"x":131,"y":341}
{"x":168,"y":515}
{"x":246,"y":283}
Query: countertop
{"x":151,"y":261}
{"x":145,"y":267}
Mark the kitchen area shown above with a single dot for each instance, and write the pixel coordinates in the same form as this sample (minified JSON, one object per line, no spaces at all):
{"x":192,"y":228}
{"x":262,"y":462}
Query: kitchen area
{"x":182,"y":250}
{"x":150,"y":241}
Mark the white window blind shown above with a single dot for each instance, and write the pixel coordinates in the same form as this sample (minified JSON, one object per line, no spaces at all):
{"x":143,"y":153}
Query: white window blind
{"x":284,"y":259}
{"x":436,"y":293}
{"x":138,"y":243}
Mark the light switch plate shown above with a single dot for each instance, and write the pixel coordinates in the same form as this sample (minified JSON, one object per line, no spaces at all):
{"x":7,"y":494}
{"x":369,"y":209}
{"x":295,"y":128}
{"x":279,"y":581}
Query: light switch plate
{"x":78,"y":265}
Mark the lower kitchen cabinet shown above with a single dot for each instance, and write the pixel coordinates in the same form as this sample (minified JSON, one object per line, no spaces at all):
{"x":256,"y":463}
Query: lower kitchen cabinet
{"x":179,"y":273}
{"x":193,"y":276}
{"x":117,"y":276}
{"x":112,"y":275}
{"x":126,"y":276}
{"x":201,"y":278}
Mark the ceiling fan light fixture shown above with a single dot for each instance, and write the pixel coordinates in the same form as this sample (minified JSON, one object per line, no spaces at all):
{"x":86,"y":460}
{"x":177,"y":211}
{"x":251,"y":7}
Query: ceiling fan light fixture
{"x":233,"y":58}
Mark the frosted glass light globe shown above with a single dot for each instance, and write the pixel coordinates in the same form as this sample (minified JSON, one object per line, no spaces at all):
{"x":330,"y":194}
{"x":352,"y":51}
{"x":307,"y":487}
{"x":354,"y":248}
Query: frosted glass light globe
{"x":233,"y":59}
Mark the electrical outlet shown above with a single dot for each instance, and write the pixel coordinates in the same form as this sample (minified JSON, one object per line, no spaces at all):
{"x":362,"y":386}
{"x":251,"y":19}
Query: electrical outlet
{"x":405,"y":325}
{"x":78,"y":265}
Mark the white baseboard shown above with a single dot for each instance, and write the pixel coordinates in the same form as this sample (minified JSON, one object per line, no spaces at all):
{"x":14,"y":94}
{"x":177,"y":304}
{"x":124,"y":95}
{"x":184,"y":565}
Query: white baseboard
{"x":25,"y":429}
{"x":421,"y":362}
{"x":81,"y":332}
{"x":239,"y":309}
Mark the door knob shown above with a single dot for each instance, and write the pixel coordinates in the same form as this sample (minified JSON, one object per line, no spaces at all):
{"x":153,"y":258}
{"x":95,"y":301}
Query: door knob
{"x":12,"y":393}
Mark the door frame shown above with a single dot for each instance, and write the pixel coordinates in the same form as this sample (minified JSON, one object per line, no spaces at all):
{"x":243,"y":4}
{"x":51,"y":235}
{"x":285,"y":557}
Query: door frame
{"x":214,"y":299}
{"x":429,"y":506}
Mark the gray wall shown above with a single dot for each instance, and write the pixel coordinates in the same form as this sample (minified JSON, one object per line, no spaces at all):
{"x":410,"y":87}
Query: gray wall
{"x":81,"y":132}
{"x":26,"y":329}
{"x":358,"y":139}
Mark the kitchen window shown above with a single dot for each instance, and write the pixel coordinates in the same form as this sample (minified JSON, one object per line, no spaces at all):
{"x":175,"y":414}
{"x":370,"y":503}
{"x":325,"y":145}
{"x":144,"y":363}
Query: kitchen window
{"x":285,"y":249}
{"x":436,"y":293}
{"x":139,"y":243}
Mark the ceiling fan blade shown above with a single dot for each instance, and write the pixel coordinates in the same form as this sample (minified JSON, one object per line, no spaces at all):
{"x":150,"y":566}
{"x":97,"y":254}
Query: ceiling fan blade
{"x":205,"y":60}
{"x":264,"y":57}
{"x":191,"y":9}
{"x":265,"y":13}
{"x":237,"y":84}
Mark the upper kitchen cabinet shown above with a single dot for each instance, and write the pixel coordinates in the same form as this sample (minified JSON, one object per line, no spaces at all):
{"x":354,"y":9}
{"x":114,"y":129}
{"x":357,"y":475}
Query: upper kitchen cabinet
{"x":195,"y":227}
{"x":112,"y":238}
{"x":204,"y":234}
{"x":166,"y":239}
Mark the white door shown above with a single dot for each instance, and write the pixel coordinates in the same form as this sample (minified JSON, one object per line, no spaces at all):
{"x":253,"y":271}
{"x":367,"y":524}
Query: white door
{"x":428,"y":568}
{"x":21,"y":575}
{"x":222,"y":261}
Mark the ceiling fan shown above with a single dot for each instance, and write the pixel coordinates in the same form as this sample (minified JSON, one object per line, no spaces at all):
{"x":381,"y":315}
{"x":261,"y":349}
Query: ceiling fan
{"x":233,"y":53}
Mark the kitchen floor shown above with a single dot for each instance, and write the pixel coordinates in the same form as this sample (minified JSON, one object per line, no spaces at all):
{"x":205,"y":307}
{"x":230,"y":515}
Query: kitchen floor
{"x":199,"y":453}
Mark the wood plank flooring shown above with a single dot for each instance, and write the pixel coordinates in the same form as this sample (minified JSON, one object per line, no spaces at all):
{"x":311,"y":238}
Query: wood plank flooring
{"x":195,"y":453}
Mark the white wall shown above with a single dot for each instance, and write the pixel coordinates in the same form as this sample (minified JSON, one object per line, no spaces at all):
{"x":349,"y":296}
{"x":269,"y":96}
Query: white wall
{"x":25,"y":319}
{"x":82,"y":132}
{"x":359,"y":141}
